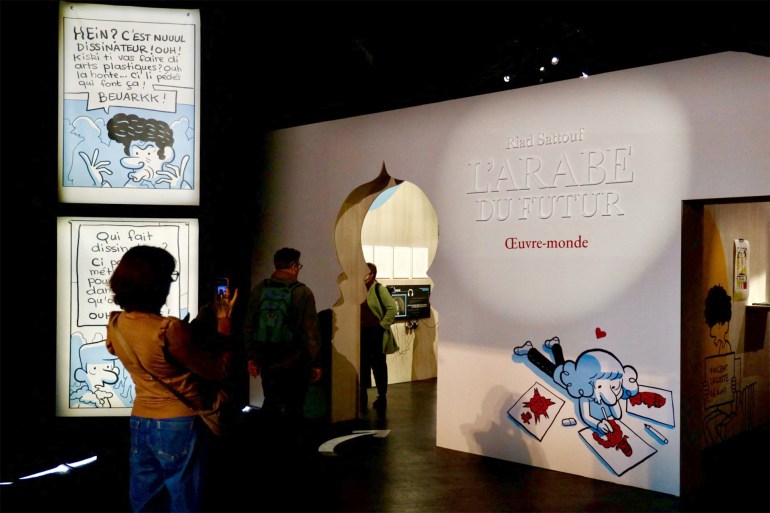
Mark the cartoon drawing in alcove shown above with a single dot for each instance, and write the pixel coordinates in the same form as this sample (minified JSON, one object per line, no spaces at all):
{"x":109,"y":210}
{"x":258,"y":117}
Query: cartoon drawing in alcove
{"x":720,"y":383}
{"x":97,"y":381}
{"x":718,"y":313}
{"x":599,"y":382}
{"x":148,"y":146}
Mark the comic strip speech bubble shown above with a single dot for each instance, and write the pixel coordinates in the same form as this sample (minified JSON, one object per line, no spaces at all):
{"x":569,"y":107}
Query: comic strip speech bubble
{"x":99,"y":249}
{"x":128,"y":64}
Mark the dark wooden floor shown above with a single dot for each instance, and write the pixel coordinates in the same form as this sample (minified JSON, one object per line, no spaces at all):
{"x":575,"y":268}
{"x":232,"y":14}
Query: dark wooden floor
{"x":402,"y":472}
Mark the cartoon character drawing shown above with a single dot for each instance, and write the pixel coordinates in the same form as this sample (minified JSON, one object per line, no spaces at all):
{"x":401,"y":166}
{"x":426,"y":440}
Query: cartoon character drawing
{"x":97,"y":380}
{"x":149,"y":148}
{"x":597,"y":379}
{"x":718,"y":313}
{"x":719,"y":400}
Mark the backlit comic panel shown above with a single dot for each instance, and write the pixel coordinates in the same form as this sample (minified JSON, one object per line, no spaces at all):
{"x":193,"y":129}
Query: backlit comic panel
{"x":90,"y":380}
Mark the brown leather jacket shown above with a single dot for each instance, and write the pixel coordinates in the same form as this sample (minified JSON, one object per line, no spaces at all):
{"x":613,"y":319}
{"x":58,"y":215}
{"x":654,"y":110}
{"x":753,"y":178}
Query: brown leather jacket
{"x":165,"y":347}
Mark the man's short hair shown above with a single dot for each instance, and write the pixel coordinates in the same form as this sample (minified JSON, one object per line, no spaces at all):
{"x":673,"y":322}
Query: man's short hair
{"x":284,"y":257}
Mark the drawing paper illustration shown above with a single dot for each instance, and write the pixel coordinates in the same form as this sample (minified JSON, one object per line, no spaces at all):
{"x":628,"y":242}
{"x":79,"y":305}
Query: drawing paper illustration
{"x":537,"y":409}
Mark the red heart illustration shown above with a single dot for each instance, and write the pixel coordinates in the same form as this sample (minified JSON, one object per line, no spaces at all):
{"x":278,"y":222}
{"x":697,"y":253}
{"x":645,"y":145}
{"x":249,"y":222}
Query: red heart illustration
{"x":600,"y":333}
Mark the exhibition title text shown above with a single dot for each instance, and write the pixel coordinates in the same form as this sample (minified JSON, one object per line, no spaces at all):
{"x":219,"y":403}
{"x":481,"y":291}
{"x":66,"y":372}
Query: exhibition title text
{"x":522,"y":185}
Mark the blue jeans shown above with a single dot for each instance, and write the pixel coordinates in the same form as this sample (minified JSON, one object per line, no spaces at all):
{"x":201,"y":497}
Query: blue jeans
{"x":167,"y":462}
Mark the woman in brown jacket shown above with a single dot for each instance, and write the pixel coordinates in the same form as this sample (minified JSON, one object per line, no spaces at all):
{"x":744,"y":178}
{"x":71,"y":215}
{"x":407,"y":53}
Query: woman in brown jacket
{"x":169,"y":443}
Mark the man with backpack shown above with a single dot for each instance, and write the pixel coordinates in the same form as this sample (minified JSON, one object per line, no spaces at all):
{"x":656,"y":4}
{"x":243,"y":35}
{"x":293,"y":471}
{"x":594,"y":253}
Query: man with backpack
{"x":282,"y":339}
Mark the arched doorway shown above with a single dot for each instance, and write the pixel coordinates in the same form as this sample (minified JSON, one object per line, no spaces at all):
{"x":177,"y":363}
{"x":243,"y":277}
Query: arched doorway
{"x":393,"y":223}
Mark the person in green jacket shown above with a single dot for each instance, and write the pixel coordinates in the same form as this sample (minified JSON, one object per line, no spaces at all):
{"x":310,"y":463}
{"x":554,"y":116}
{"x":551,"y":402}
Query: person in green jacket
{"x":377,"y":314}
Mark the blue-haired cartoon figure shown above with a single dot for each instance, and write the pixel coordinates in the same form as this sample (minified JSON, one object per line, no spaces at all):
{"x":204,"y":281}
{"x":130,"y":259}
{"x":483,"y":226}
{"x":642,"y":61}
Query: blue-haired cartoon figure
{"x":98,"y":381}
{"x":596,"y":379}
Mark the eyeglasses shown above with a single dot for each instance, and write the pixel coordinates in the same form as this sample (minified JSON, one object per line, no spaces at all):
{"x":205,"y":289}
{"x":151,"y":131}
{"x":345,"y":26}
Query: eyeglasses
{"x":174,"y":275}
{"x":299,"y":266}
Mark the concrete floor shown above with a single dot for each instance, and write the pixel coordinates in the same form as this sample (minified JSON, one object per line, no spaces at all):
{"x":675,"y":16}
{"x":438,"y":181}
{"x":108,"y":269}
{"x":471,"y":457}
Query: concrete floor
{"x":402,"y":472}
{"x":406,"y":472}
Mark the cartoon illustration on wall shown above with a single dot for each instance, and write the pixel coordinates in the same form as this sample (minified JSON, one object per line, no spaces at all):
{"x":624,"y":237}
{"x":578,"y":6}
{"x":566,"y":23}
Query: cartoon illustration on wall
{"x":100,"y":380}
{"x":536,"y":410}
{"x":721,"y":371}
{"x":598,"y":385}
{"x":141,"y":153}
{"x":732,"y":377}
{"x":91,"y":249}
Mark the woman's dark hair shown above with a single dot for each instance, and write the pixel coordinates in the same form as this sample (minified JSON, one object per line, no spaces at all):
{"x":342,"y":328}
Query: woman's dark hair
{"x":372,"y":268}
{"x":142,"y":279}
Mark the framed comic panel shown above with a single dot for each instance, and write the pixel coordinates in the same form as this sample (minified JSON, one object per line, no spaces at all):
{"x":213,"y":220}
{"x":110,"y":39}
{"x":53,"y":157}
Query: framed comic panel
{"x":129,"y":105}
{"x":90,"y":380}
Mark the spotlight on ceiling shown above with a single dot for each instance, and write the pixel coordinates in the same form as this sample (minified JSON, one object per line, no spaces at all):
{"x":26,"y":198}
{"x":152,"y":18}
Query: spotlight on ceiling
{"x":507,"y":78}
{"x":554,"y":60}
{"x":542,"y":68}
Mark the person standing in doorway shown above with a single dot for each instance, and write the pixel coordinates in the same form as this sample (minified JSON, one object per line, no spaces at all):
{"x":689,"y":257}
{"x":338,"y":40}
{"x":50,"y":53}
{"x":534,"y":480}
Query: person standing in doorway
{"x":282,"y":340}
{"x":377,"y":341}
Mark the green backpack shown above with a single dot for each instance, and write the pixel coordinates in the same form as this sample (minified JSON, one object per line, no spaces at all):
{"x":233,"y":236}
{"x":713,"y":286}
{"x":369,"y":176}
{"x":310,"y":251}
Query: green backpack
{"x":272,"y":326}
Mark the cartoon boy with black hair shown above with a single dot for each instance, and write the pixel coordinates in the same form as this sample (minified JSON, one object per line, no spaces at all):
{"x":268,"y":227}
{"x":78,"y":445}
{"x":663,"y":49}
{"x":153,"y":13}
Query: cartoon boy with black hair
{"x":149,"y":148}
{"x":718,"y":313}
{"x":719,"y":418}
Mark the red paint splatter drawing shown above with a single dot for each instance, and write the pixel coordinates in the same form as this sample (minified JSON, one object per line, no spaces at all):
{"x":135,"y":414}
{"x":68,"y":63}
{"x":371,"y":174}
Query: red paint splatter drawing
{"x":539,"y":405}
{"x":616,"y":439}
{"x":651,"y":399}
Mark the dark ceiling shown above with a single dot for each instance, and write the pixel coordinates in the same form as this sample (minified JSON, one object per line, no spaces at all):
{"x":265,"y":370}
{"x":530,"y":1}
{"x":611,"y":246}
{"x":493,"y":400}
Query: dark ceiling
{"x":285,"y":63}
{"x":326,"y":60}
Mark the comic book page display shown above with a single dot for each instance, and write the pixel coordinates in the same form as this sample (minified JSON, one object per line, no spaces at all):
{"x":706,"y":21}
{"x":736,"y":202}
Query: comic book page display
{"x":129,"y":105}
{"x":91,"y":381}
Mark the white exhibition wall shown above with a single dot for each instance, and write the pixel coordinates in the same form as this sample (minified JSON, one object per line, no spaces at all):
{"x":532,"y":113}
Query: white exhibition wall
{"x":559,"y":209}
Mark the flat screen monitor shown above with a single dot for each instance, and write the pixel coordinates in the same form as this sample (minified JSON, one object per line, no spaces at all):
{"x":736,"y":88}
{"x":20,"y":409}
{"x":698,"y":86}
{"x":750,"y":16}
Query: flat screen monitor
{"x":413,"y":301}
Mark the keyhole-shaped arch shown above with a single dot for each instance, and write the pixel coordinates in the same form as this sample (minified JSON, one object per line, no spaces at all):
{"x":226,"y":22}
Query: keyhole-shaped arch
{"x":408,"y":219}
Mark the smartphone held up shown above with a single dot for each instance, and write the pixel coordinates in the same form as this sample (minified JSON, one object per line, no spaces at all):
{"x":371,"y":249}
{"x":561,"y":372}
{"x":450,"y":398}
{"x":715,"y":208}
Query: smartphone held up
{"x":222,"y":287}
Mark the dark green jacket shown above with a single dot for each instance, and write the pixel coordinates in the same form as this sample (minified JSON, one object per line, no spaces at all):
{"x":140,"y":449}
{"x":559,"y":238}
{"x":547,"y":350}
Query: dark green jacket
{"x":385,"y":312}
